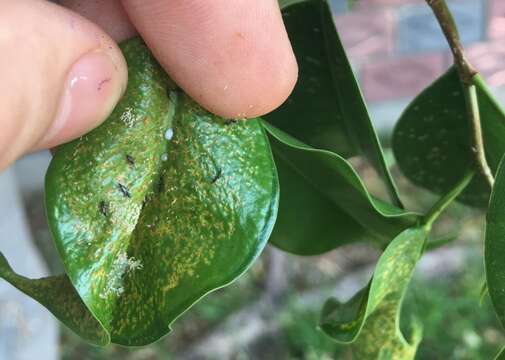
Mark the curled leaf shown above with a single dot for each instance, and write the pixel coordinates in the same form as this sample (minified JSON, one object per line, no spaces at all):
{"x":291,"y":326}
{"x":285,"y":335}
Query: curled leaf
{"x":338,"y":195}
{"x":370,"y":320}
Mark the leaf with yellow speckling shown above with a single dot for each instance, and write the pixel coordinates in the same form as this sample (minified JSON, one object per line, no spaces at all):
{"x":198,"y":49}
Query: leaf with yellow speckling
{"x":69,"y":307}
{"x":432,"y":140}
{"x":370,"y":320}
{"x":160,"y":205}
{"x":312,"y":176}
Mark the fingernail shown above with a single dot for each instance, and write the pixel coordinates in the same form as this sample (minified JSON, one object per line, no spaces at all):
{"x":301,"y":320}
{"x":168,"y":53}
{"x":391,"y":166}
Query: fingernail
{"x":93,"y":86}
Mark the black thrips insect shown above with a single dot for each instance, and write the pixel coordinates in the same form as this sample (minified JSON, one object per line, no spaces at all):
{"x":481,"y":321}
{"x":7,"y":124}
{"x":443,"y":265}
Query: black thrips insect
{"x":230,"y":122}
{"x":217,"y":176}
{"x":124,"y":190}
{"x":104,"y":208}
{"x":161,"y":184}
{"x":130,"y":160}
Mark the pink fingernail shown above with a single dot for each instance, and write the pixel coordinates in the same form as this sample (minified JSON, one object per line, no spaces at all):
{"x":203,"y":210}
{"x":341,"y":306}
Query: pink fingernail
{"x":93,"y":86}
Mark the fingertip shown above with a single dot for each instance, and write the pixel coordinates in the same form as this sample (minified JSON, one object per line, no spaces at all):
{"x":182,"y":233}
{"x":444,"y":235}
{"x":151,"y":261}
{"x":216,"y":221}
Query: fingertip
{"x":233,"y":57}
{"x":41,"y":47}
{"x":253,"y":86}
{"x":93,"y":86}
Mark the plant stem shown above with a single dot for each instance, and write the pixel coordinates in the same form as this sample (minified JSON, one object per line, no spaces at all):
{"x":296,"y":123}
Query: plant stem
{"x":447,"y":199}
{"x":450,"y":30}
{"x":466,"y":73}
{"x":472,"y":104}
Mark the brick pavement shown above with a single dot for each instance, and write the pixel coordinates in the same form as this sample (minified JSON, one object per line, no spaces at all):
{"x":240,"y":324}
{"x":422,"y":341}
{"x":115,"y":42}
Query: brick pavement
{"x":398,"y":48}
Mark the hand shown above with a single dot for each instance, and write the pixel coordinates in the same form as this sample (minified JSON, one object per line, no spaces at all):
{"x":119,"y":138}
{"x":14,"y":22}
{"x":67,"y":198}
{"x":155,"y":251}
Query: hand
{"x":61,"y":74}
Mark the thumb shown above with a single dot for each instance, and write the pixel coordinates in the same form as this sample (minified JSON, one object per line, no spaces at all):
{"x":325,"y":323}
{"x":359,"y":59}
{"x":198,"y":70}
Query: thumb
{"x":60,"y":76}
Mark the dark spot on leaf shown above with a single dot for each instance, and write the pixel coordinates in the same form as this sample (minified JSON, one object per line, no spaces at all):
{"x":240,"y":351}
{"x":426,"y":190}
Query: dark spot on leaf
{"x":130,"y":160}
{"x":219,"y":173}
{"x":104,"y":208}
{"x":146,"y":200}
{"x":161,"y":184}
{"x":230,"y":122}
{"x":171,"y":88}
{"x":124,"y":190}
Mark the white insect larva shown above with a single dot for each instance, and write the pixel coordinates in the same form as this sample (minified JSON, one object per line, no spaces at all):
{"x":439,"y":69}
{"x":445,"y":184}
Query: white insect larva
{"x":169,"y":134}
{"x":128,"y":118}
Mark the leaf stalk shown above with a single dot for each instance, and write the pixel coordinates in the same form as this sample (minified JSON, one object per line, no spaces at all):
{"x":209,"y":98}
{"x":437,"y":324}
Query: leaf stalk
{"x":472,"y":104}
{"x":467,"y":74}
{"x":446,"y":200}
{"x":450,"y":30}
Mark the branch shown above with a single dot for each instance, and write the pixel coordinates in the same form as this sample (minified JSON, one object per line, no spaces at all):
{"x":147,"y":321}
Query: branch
{"x":450,"y":30}
{"x":466,"y":73}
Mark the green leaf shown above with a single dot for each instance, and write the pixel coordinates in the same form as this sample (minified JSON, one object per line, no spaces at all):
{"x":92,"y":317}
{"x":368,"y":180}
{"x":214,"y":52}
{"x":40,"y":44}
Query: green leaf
{"x":322,"y":187}
{"x":326,"y":109}
{"x":160,"y":205}
{"x":432,"y":141}
{"x":321,"y":225}
{"x":441,"y":241}
{"x":58,"y":295}
{"x":484,"y":292}
{"x":494,"y":245}
{"x":500,"y":355}
{"x":370,"y":320}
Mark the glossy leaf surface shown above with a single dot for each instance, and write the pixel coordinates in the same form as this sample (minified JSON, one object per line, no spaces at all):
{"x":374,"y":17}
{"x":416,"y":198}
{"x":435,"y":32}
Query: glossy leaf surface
{"x":370,"y":320}
{"x":158,"y":206}
{"x":432,"y":141}
{"x":57,"y":294}
{"x":335,"y":193}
